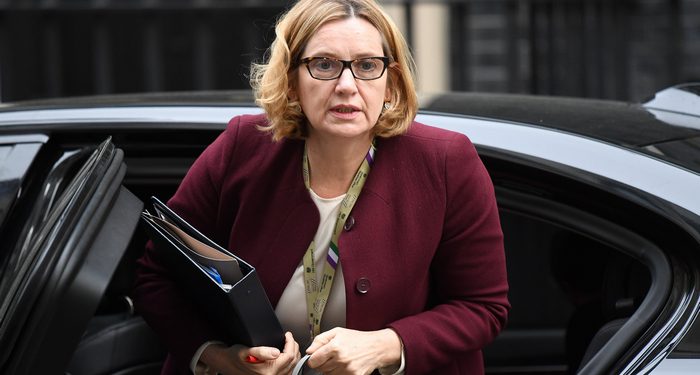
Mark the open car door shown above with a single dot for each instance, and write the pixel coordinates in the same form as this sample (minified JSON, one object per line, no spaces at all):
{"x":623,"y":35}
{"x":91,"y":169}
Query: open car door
{"x":65,"y":223}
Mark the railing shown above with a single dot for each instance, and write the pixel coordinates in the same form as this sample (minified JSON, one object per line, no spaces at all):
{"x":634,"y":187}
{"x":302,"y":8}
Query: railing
{"x":621,"y":49}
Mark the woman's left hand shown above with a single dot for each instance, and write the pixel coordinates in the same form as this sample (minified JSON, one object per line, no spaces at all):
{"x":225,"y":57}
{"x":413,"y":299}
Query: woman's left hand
{"x":346,"y":351}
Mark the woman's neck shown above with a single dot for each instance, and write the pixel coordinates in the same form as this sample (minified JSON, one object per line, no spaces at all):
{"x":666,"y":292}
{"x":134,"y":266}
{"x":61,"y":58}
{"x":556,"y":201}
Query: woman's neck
{"x":333,"y":165}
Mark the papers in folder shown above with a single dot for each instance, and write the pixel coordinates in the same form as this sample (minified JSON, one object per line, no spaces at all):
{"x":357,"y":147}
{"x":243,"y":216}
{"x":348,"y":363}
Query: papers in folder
{"x":223,"y":287}
{"x":221,"y":267}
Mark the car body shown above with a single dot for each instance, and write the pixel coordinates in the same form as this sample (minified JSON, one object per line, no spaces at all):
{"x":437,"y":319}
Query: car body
{"x":598,"y":201}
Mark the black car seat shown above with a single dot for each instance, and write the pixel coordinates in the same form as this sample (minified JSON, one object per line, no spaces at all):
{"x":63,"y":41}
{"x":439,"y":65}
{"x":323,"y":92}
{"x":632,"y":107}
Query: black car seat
{"x":578,"y":267}
{"x":117,"y":341}
{"x":118,"y":344}
{"x":625,"y":285}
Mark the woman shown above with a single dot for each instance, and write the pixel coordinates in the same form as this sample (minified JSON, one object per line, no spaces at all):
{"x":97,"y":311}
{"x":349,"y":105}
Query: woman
{"x":376,"y":238}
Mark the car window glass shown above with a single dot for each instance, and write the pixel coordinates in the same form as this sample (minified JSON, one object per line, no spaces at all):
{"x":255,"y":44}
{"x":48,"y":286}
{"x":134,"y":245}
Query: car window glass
{"x":563,"y":288}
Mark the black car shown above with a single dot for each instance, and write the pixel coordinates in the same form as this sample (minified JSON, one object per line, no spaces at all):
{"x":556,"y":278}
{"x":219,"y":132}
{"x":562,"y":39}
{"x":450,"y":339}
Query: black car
{"x":599,"y":202}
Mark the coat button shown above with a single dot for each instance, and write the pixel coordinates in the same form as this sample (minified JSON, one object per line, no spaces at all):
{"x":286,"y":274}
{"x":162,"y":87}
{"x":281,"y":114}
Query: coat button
{"x":363,"y":284}
{"x":349,"y":223}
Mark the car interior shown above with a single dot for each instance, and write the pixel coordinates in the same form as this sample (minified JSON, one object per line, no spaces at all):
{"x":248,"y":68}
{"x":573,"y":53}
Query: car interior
{"x":569,"y":292}
{"x":583,"y":286}
{"x":583,"y":283}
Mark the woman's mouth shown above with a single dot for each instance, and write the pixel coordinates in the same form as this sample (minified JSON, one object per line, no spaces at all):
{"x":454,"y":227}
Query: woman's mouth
{"x":345,"y":111}
{"x":345,"y":108}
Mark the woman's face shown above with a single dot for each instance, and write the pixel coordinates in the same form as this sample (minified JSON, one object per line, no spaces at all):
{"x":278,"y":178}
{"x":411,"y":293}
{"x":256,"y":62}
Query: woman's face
{"x":343,"y":107}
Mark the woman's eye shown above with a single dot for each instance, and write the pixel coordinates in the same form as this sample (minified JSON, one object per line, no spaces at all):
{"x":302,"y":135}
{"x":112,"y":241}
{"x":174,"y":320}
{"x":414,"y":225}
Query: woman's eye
{"x":367,"y":65}
{"x":324,"y":65}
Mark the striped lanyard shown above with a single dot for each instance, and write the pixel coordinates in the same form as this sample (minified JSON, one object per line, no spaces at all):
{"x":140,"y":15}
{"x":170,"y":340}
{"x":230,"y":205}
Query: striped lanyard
{"x":317,"y":294}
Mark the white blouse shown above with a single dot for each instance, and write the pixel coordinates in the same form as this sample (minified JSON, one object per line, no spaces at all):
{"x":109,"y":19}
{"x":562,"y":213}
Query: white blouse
{"x":291,"y":308}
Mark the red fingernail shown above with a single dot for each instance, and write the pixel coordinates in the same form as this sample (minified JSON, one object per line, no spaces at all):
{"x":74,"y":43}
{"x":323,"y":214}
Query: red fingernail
{"x":252,"y":359}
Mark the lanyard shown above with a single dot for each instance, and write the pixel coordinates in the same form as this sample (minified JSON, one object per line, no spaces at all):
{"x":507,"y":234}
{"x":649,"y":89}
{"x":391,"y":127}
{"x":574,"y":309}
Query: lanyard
{"x":317,"y":294}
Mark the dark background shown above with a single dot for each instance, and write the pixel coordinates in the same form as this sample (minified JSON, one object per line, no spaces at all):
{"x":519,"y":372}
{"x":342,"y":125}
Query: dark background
{"x":612,"y":49}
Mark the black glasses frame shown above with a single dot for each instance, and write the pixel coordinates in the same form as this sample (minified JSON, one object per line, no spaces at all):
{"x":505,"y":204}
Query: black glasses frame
{"x":347,"y":64}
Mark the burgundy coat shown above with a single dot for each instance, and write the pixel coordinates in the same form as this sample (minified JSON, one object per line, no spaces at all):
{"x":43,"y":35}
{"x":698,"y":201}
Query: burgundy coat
{"x":424,"y":254}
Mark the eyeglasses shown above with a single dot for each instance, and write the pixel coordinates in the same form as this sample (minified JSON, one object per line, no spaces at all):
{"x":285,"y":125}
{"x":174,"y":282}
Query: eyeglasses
{"x":326,"y":68}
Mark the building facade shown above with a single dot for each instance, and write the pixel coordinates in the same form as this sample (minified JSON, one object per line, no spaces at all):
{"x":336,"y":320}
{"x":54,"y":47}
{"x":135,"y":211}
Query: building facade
{"x":622,"y":49}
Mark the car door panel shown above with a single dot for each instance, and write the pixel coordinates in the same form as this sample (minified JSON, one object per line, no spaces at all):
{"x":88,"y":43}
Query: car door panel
{"x":76,"y":251}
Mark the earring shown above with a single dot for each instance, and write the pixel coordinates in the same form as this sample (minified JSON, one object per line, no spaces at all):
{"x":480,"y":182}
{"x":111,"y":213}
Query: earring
{"x":387,"y":105}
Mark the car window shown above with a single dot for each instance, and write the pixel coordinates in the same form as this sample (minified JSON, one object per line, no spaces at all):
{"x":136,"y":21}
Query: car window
{"x":564,"y":287}
{"x":15,"y":159}
{"x":587,"y":276}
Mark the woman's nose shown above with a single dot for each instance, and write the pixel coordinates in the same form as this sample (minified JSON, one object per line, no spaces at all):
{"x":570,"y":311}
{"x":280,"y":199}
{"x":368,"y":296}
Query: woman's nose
{"x":346,"y":82}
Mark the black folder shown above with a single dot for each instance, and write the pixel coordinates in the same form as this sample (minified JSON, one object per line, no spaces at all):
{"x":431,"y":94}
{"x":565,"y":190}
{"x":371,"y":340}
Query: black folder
{"x":232,"y":298}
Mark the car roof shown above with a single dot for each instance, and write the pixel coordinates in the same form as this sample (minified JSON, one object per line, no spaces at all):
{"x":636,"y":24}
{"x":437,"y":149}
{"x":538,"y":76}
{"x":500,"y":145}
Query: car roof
{"x":660,"y":127}
{"x":227,"y":97}
{"x":622,"y":123}
{"x":626,"y":124}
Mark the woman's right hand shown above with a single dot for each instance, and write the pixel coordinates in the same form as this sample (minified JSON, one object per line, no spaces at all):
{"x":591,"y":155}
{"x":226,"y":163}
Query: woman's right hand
{"x":219,"y":359}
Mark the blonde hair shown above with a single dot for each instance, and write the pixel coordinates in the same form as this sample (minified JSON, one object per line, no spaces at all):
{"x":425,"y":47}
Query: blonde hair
{"x":273,"y":80}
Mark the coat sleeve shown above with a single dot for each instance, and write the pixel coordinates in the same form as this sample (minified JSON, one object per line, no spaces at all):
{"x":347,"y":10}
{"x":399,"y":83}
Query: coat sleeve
{"x":469,"y":304}
{"x":174,"y":319}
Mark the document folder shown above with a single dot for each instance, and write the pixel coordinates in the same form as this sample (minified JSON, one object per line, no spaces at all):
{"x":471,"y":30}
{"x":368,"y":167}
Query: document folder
{"x":224,"y":288}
